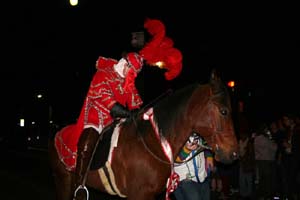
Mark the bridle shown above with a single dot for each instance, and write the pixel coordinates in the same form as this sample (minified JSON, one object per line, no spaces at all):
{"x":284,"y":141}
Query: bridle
{"x":153,"y":154}
{"x":142,"y":110}
{"x":214,"y":119}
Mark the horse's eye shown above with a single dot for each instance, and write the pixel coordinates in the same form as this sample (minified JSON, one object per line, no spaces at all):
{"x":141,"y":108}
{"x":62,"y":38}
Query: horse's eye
{"x":223,"y":111}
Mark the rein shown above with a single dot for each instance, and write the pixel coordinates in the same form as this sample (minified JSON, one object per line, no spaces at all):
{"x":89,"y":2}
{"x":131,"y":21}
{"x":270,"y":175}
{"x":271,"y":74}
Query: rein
{"x":173,"y":180}
{"x":142,"y":110}
{"x":154,"y":101}
{"x":164,"y":146}
{"x":154,"y":155}
{"x":199,"y":150}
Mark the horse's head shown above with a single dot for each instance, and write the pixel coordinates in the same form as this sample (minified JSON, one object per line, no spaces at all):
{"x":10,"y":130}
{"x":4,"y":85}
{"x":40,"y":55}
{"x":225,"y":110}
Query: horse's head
{"x":210,"y":106}
{"x":204,"y":109}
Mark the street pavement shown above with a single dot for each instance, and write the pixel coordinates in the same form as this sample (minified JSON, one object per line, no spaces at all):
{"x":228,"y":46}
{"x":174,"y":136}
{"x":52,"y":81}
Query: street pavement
{"x":25,"y":174}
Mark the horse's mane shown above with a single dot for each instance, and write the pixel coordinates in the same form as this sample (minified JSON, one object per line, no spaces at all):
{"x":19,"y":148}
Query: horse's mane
{"x":166,"y":110}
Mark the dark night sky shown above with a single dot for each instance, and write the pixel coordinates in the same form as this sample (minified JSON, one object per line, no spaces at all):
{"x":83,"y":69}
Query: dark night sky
{"x":53,"y":48}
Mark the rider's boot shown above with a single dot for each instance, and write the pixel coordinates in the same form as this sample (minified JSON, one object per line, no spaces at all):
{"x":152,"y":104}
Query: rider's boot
{"x":86,"y":145}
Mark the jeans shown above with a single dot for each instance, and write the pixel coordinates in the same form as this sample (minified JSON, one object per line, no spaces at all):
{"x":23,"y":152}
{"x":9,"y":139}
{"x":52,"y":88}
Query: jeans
{"x":246,"y":183}
{"x":190,"y":190}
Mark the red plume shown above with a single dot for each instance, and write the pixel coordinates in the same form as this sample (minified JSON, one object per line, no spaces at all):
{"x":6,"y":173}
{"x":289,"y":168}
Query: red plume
{"x":160,"y":48}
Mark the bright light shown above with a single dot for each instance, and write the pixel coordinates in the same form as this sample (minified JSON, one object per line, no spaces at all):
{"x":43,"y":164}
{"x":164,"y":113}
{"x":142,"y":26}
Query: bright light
{"x":22,"y":122}
{"x":39,"y":96}
{"x":231,"y":84}
{"x":159,"y":64}
{"x":73,"y":2}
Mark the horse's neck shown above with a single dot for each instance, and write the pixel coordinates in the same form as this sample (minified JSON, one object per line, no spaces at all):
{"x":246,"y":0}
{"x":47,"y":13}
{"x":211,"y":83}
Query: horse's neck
{"x":178,"y":142}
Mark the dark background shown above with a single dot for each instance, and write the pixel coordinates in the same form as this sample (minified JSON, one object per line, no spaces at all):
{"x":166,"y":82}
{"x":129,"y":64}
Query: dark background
{"x":51,"y":48}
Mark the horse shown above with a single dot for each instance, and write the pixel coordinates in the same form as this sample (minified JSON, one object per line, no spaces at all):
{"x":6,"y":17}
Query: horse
{"x":141,"y":166}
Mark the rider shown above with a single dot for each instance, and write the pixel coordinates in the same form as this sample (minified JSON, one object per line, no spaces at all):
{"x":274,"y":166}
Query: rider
{"x":112,"y":94}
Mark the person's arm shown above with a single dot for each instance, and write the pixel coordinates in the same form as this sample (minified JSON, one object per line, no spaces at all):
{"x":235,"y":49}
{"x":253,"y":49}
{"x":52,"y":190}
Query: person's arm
{"x":100,"y":90}
{"x":209,"y":161}
{"x":183,"y":154}
{"x":186,"y":150}
{"x":134,"y":99}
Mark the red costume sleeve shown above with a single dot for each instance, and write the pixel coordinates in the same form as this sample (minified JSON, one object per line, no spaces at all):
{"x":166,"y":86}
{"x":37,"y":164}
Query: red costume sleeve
{"x":134,"y":100}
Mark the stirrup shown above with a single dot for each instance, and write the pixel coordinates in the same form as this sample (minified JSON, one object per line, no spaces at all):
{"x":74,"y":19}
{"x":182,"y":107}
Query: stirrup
{"x":79,"y":188}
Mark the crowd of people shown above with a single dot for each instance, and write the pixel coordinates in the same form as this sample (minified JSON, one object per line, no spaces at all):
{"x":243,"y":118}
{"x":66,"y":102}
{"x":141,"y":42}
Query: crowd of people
{"x":269,"y":163}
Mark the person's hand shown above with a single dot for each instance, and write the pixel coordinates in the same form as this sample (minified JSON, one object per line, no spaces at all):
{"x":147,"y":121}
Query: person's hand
{"x":209,"y":164}
{"x":119,"y":111}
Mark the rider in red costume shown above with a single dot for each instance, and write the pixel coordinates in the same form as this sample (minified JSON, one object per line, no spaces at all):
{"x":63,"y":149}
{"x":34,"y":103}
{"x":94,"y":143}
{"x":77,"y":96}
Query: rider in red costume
{"x":112,"y":94}
{"x":111,"y":90}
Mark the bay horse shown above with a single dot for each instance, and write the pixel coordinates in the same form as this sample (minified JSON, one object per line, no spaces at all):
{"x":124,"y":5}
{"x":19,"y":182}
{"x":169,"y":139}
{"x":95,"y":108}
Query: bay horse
{"x":140,"y":165}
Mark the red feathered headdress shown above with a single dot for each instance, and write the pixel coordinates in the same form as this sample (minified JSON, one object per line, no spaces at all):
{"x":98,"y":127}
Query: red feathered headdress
{"x":160,"y":49}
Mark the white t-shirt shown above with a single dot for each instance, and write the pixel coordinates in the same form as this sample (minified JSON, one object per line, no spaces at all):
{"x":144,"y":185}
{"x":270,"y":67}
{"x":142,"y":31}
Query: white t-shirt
{"x":187,"y":170}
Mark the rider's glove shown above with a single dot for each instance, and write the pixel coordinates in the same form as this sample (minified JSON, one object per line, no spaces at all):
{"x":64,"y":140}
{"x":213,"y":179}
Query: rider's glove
{"x":119,"y":111}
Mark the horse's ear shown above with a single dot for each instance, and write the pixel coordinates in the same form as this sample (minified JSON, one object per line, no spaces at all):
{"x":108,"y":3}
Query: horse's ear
{"x":214,"y":75}
{"x":215,"y":81}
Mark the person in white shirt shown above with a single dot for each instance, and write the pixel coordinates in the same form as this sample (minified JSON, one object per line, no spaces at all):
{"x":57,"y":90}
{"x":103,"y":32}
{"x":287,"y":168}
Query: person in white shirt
{"x":193,"y":169}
